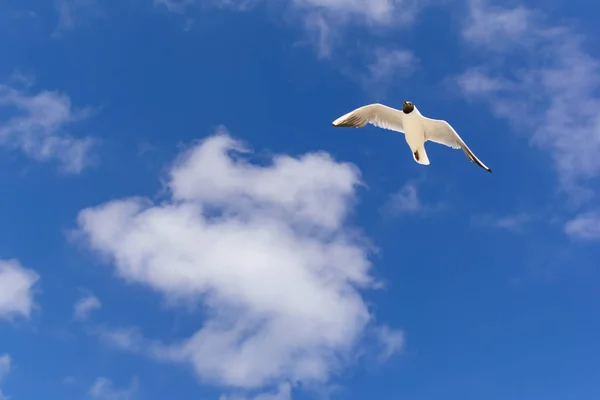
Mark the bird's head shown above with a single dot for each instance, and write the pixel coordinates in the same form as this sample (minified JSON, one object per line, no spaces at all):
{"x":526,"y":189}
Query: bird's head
{"x":408,"y":107}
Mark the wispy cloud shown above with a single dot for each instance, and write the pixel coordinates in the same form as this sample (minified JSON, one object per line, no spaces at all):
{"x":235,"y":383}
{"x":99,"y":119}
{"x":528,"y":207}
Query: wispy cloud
{"x":487,"y":24}
{"x":392,"y":339}
{"x":383,"y":12}
{"x":228,"y":232}
{"x":85,"y":305}
{"x":513,"y":222}
{"x":324,"y":20}
{"x":103,"y":389}
{"x":283,"y":392}
{"x":407,"y":201}
{"x":373,"y":11}
{"x":130,"y":340}
{"x":541,"y":78}
{"x":320,"y":33}
{"x":36,"y":126}
{"x":388,"y":65}
{"x":73,"y":14}
{"x":585,"y":226}
{"x":177,"y":6}
{"x":5,"y":367}
{"x":380,"y":70}
{"x":16,"y":289}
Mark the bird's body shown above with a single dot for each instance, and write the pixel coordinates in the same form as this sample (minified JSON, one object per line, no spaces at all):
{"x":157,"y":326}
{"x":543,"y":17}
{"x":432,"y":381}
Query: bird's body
{"x":417,"y":129}
{"x":414,"y":133}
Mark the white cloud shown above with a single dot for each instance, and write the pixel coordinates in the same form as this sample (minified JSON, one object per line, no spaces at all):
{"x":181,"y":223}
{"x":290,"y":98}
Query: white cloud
{"x":327,"y":20}
{"x":21,"y":79}
{"x":5,"y":367}
{"x":514,"y":222}
{"x":585,"y":226}
{"x":174,"y":5}
{"x":5,"y":363}
{"x":542,"y":80}
{"x":407,"y":201}
{"x":387,"y":67}
{"x":16,"y":289}
{"x":486,"y":24}
{"x":392,"y":341}
{"x":283,"y":392}
{"x":324,"y":20}
{"x":265,"y":249}
{"x":384,"y":12}
{"x":373,"y":11}
{"x":477,"y":82}
{"x":103,"y":389}
{"x":128,"y":339}
{"x":73,"y":14}
{"x":320,"y":34}
{"x":85,"y":305}
{"x":36,"y":127}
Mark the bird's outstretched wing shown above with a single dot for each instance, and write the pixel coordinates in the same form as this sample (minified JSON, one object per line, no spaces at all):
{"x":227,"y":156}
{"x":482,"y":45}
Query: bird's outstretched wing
{"x":440,"y":131}
{"x":377,"y":114}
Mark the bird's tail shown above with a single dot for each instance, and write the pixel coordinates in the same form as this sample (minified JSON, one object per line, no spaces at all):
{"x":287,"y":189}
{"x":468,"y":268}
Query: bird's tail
{"x":420,"y":156}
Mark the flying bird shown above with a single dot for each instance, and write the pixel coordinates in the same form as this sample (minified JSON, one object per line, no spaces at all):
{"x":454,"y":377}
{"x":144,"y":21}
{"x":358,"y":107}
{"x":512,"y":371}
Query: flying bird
{"x":417,"y":129}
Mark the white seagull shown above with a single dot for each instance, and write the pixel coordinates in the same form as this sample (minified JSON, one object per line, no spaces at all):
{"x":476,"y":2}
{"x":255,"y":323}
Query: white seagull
{"x":417,"y":129}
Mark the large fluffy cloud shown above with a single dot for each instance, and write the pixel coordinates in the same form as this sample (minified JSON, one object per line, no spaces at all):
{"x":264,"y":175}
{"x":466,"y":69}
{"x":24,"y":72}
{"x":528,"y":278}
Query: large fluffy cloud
{"x":16,"y":289}
{"x":265,"y":248}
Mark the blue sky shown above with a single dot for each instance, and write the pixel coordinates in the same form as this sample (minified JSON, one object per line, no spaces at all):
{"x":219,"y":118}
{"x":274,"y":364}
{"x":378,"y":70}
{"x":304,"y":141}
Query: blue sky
{"x":182,"y":221}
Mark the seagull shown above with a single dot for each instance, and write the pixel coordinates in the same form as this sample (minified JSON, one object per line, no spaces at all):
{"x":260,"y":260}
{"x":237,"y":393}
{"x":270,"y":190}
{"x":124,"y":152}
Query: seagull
{"x":417,"y":129}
